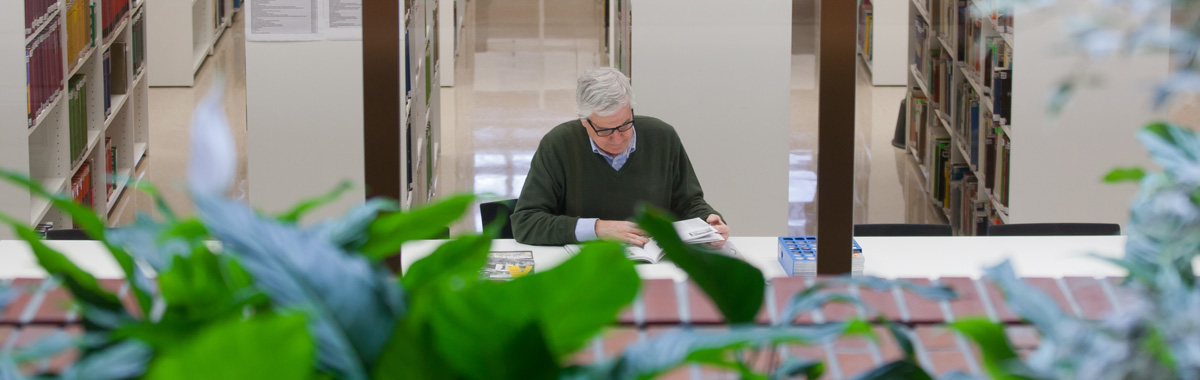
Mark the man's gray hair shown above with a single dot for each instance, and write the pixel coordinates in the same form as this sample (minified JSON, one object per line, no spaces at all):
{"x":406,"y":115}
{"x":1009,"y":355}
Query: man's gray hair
{"x":602,"y":91}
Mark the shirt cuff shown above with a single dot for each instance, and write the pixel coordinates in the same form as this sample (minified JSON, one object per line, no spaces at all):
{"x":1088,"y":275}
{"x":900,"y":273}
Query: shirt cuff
{"x":585,"y":229}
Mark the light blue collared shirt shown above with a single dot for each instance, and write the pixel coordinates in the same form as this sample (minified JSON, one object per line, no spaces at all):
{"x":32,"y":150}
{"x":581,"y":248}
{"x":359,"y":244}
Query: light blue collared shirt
{"x":585,"y":228}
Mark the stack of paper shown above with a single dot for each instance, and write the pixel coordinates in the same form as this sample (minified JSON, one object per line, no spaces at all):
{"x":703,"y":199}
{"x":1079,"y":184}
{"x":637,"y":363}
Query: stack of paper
{"x":798,"y":256}
{"x":696,"y":231}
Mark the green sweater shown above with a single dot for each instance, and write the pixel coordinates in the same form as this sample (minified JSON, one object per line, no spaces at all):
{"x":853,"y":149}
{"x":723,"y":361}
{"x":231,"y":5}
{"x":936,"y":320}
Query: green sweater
{"x":568,"y":181}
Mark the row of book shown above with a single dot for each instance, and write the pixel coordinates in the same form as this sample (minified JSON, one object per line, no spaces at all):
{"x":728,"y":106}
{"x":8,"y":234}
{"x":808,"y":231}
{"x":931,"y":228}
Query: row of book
{"x":866,"y":21}
{"x":77,"y":116}
{"x":997,"y":78}
{"x":79,"y":31}
{"x":81,"y":185}
{"x":44,"y":70}
{"x":139,"y":42}
{"x":112,"y":11}
{"x":38,"y":13}
{"x":110,"y":169}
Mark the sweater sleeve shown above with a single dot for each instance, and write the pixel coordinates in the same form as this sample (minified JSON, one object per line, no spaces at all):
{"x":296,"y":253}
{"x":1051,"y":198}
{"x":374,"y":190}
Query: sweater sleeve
{"x":687,"y":198}
{"x":538,"y":218}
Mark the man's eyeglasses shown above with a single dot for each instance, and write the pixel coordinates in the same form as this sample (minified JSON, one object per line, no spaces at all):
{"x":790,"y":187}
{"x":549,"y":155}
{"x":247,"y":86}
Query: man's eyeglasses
{"x":605,"y":132}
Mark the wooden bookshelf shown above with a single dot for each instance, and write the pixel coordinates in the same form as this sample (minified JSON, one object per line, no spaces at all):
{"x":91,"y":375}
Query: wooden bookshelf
{"x":960,"y":54}
{"x":73,"y":132}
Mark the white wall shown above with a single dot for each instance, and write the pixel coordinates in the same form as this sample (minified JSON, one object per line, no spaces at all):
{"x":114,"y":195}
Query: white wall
{"x":1058,"y":163}
{"x":719,"y":71}
{"x":304,"y":114}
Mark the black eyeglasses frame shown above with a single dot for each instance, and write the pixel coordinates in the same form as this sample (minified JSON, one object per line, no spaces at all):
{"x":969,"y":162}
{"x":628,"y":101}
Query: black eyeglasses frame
{"x":605,"y":132}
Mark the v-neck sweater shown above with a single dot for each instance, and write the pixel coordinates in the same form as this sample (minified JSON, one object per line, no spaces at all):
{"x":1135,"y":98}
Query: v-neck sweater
{"x":568,"y":181}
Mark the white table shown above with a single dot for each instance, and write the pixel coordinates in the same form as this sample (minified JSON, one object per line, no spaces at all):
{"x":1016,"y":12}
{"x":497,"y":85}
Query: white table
{"x":889,"y":257}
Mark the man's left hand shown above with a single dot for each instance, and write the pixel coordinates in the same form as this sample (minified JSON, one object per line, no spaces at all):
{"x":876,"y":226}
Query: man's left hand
{"x":722,"y":228}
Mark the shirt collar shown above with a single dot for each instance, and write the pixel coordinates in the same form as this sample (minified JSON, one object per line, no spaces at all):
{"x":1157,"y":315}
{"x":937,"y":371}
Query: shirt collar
{"x":632,"y":146}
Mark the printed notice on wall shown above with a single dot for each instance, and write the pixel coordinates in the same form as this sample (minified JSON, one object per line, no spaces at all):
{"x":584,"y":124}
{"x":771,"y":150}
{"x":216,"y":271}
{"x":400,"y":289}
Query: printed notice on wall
{"x":282,"y":20}
{"x":343,"y":19}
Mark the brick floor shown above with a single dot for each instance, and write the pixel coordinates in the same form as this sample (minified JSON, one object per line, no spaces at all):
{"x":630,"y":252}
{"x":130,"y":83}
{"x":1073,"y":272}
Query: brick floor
{"x":45,"y":307}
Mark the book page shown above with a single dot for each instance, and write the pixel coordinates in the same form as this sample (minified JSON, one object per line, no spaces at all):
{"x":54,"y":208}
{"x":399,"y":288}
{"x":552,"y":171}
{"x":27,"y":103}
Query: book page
{"x":507,"y":265}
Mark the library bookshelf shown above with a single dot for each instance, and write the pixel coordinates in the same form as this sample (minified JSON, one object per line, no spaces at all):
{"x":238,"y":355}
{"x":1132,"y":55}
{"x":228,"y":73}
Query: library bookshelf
{"x":882,"y":39}
{"x":182,"y":35}
{"x":421,"y":119}
{"x":987,"y":148}
{"x":75,"y":103}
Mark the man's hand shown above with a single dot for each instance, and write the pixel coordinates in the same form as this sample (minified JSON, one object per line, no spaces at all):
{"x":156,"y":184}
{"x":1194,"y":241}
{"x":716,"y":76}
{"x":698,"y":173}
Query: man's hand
{"x":722,"y":228}
{"x":621,"y":231}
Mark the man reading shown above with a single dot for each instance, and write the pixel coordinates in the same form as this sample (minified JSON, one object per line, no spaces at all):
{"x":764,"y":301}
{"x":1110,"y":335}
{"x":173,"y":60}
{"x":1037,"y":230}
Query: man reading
{"x":588,"y":175}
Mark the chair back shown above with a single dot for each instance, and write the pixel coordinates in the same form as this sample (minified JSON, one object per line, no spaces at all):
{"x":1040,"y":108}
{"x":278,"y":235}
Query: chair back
{"x":490,"y":211}
{"x":902,"y":230}
{"x":67,"y":234}
{"x":1054,"y":229}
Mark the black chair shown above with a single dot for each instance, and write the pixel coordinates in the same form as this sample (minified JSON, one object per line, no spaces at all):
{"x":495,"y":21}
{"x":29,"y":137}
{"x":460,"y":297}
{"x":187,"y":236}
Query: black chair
{"x":902,"y":230}
{"x":491,"y":211}
{"x":67,"y":234}
{"x":1054,"y":229}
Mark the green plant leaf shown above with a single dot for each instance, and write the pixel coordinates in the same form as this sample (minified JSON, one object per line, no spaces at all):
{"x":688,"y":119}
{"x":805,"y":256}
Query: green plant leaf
{"x":462,"y":257}
{"x":305,"y":206}
{"x":387,"y":233}
{"x":1118,"y":175}
{"x":897,"y":370}
{"x":1025,"y":300}
{"x":347,"y":231}
{"x":8,"y":369}
{"x":150,"y":241}
{"x":998,"y":355}
{"x":900,"y":334}
{"x":569,"y":304}
{"x":7,"y":295}
{"x":126,"y":359}
{"x":735,"y":286}
{"x":265,"y":347}
{"x":351,"y":301}
{"x":810,"y":369}
{"x":578,"y":298}
{"x":669,"y":350}
{"x":46,"y":347}
{"x":159,"y":201}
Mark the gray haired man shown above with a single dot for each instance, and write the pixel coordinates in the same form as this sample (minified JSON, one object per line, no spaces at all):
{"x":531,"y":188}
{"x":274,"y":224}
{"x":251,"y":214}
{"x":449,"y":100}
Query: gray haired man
{"x":588,"y":175}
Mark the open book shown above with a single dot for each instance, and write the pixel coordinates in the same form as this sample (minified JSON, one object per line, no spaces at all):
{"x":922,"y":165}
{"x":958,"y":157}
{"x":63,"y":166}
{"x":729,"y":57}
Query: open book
{"x":691,"y":231}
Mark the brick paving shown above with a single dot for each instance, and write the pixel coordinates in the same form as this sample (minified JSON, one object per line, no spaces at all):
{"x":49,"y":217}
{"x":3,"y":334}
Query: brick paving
{"x":663,"y":305}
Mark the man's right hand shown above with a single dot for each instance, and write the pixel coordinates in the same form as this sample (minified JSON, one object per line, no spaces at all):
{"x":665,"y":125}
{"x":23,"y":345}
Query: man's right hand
{"x":620,"y":230}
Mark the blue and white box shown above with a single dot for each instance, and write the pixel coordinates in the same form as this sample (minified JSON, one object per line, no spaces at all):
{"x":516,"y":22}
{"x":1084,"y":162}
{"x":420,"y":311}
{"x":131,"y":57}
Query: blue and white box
{"x":798,"y":256}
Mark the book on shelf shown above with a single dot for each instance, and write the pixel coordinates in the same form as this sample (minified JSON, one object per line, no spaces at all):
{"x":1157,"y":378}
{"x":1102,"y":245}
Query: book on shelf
{"x":112,"y":11}
{"x":110,"y":155}
{"x":507,"y":265}
{"x":138,"y":50}
{"x":918,"y":109}
{"x":44,"y":69}
{"x":81,"y":185}
{"x":77,"y":116}
{"x":79,"y":30}
{"x":798,"y":256}
{"x":37,"y":14}
{"x":107,"y":83}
